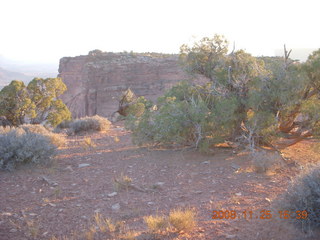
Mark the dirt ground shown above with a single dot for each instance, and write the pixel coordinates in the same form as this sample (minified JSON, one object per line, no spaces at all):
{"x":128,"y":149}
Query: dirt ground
{"x":61,"y":200}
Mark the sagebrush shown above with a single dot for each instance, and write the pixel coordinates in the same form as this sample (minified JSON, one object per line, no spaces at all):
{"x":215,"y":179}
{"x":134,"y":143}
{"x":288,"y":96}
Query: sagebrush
{"x":55,"y":138}
{"x":303,"y":194}
{"x":19,"y":147}
{"x":95,"y":123}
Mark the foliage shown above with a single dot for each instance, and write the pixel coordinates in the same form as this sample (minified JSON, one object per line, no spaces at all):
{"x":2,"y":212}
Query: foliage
{"x":138,"y":107}
{"x":95,"y":123}
{"x":36,"y":103}
{"x":303,"y":194}
{"x":20,"y":147}
{"x":247,"y":99}
{"x":15,"y":103}
{"x":186,"y":114}
{"x":44,"y":94}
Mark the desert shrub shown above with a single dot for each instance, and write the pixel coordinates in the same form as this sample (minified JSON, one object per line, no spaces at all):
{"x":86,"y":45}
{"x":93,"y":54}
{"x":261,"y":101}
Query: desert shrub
{"x":263,"y":160}
{"x":95,"y":123}
{"x":20,"y":147}
{"x":65,"y":124}
{"x":55,"y":138}
{"x":138,"y":107}
{"x":182,"y":220}
{"x":187,"y":115}
{"x":36,"y":103}
{"x":303,"y":194}
{"x":156,"y":223}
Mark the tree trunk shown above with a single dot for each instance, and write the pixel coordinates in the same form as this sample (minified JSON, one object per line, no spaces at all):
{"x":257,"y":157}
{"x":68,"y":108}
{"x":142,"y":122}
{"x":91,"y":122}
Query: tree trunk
{"x":287,"y":122}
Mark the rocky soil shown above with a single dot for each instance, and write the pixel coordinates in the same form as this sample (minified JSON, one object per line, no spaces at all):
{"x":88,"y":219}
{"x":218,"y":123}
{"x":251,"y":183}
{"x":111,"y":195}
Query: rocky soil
{"x":61,"y":199}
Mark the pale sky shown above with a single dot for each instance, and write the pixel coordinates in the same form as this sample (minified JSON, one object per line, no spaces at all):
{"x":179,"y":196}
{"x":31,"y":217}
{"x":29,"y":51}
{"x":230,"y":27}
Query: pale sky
{"x":46,"y":30}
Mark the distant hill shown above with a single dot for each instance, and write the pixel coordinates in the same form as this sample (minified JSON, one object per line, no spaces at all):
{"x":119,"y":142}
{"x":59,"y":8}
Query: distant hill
{"x":7,"y":76}
{"x":15,"y":70}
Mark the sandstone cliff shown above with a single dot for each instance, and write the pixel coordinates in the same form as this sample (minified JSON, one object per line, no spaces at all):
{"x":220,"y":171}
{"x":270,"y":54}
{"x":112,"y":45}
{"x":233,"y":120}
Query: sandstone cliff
{"x":95,"y":82}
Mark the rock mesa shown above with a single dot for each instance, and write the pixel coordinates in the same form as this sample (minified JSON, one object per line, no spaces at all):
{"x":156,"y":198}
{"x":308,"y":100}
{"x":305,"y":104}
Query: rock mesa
{"x":96,"y":81}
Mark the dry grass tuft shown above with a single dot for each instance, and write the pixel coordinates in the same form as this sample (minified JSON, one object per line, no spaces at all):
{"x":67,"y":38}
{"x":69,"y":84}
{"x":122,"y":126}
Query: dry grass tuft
{"x":88,"y":143}
{"x":123,"y":182}
{"x":156,"y":223}
{"x":182,"y":220}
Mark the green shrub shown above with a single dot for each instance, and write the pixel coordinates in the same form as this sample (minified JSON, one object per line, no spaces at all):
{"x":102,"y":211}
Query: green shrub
{"x":20,"y":147}
{"x":303,"y":194}
{"x":95,"y":123}
{"x":187,"y":115}
{"x":55,"y":138}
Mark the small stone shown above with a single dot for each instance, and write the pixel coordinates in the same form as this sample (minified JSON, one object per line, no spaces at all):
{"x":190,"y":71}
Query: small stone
{"x":230,"y":236}
{"x":78,"y":205}
{"x":205,"y":162}
{"x":115,"y":207}
{"x":81,"y":165}
{"x":150,"y":203}
{"x":97,"y":210}
{"x":235,"y":166}
{"x":159,"y":183}
{"x":60,"y":210}
{"x":69,"y":168}
{"x":268,"y":199}
{"x":198,"y":192}
{"x":238,"y":194}
{"x":112,"y":194}
{"x":33,"y":214}
{"x":52,"y":204}
{"x":6,"y":214}
{"x":13,"y":230}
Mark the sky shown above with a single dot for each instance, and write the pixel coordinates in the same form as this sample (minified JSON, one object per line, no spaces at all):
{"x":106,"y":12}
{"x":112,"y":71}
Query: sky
{"x":47,"y":30}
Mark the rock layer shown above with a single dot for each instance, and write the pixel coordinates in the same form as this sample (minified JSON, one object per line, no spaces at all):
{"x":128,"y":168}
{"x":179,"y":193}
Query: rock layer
{"x":96,"y":81}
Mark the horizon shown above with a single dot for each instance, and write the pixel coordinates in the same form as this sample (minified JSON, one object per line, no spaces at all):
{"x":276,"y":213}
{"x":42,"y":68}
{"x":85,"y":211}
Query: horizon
{"x":44,"y":31}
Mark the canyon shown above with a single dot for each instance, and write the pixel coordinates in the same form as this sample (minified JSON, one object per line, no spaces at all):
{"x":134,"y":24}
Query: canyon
{"x":97,"y":81}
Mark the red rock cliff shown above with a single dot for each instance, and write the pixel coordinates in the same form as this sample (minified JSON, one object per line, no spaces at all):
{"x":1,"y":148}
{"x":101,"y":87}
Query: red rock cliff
{"x":95,"y":82}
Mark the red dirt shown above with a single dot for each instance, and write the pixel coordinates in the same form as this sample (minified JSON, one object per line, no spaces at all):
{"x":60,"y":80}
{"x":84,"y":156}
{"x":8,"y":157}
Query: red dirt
{"x":60,"y":200}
